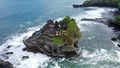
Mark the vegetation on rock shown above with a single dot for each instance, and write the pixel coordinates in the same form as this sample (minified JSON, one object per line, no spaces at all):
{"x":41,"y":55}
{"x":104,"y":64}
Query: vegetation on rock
{"x":57,"y":40}
{"x":88,"y":2}
{"x":117,"y":20}
{"x":102,"y":3}
{"x":68,"y":34}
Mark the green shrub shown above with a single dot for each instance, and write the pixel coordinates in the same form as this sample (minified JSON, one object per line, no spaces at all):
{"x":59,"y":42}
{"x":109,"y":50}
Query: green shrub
{"x":66,"y":19}
{"x":117,"y":20}
{"x":57,"y":40}
{"x":69,"y":34}
{"x":72,"y":31}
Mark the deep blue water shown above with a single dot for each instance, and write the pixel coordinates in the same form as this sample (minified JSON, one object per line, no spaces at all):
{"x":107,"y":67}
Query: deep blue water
{"x":15,"y":14}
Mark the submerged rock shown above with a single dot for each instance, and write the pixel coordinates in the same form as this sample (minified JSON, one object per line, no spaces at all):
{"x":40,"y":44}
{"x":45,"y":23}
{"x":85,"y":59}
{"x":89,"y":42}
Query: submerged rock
{"x":113,"y":38}
{"x":53,"y":40}
{"x":8,"y":53}
{"x":24,"y":49}
{"x":25,"y":57}
{"x":5,"y":64}
{"x":9,"y":46}
{"x":118,"y":45}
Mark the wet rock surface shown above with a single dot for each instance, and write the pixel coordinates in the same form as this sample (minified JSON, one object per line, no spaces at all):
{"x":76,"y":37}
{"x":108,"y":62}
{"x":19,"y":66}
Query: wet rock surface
{"x":25,"y":57}
{"x":8,"y":53}
{"x":43,"y":44}
{"x":5,"y":64}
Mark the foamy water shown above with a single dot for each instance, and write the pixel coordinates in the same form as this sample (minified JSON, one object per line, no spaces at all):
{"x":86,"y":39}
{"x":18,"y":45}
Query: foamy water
{"x":40,"y":60}
{"x":34,"y":61}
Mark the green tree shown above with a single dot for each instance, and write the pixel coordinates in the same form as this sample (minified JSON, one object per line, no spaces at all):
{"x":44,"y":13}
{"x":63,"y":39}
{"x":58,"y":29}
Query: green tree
{"x":66,"y":19}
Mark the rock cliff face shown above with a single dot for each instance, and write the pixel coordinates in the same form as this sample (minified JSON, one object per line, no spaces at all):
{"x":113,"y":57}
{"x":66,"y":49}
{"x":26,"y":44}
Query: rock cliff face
{"x":53,"y":40}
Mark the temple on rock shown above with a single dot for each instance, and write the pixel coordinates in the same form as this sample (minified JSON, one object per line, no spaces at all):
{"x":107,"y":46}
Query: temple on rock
{"x":57,"y":39}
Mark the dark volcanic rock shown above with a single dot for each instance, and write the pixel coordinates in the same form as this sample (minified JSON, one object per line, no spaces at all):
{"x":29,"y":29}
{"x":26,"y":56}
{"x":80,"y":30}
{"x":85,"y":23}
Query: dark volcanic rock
{"x":44,"y":45}
{"x":24,"y":49}
{"x":101,"y":20}
{"x":5,"y":64}
{"x":95,"y":5}
{"x":113,"y":39}
{"x":98,"y":3}
{"x":77,"y":6}
{"x":41,"y":41}
{"x":85,"y":19}
{"x":9,"y":46}
{"x":9,"y":53}
{"x":25,"y":57}
{"x":118,"y":45}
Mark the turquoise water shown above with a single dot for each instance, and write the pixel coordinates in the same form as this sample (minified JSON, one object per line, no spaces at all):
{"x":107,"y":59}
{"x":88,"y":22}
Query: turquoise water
{"x":25,"y":13}
{"x":19,"y":19}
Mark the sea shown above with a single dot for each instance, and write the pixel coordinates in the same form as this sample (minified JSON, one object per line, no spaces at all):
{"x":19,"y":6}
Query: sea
{"x":19,"y":19}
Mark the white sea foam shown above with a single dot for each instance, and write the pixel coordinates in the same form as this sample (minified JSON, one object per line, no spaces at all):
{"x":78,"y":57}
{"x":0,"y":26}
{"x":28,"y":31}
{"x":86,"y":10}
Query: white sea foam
{"x":90,"y":14}
{"x":34,"y":61}
{"x":101,"y":55}
{"x":56,"y":65}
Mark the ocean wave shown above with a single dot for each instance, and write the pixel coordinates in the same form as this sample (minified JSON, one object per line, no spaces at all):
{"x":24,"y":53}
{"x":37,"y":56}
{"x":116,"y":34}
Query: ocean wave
{"x":16,"y":43}
{"x":101,"y":55}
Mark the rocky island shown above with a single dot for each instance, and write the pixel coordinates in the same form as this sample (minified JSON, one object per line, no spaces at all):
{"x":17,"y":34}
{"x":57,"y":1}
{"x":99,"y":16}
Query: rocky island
{"x":56,"y":39}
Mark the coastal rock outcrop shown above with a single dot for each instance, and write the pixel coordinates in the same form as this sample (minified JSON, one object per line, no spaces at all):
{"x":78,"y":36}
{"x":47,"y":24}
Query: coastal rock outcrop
{"x":57,"y":39}
{"x":98,"y":3}
{"x":5,"y":64}
{"x":111,"y":21}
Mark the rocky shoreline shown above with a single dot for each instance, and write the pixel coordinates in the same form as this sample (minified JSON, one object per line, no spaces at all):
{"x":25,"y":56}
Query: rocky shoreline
{"x":110,"y":23}
{"x":99,"y":3}
{"x":108,"y":18}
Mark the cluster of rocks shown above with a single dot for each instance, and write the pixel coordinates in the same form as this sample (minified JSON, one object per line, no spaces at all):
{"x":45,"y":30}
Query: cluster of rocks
{"x":5,"y":64}
{"x":41,"y":41}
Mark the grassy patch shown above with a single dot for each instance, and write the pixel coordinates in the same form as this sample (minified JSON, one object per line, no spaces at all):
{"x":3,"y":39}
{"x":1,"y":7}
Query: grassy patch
{"x":57,"y":40}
